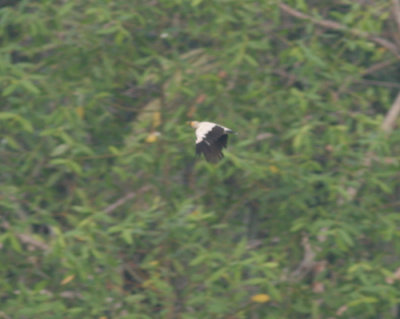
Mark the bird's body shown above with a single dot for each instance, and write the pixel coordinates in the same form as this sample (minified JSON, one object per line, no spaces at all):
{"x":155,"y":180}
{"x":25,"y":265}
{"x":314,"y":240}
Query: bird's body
{"x":211,"y":138}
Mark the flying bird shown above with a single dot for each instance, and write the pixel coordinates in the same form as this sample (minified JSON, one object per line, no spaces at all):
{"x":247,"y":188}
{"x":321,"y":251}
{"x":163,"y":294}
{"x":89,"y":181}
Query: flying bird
{"x":211,"y":138}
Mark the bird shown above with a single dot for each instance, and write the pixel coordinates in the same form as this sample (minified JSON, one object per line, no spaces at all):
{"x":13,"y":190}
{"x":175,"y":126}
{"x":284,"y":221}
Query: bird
{"x":211,"y":138}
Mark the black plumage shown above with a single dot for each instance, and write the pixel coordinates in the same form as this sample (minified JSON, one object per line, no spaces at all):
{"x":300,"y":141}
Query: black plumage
{"x":212,"y":143}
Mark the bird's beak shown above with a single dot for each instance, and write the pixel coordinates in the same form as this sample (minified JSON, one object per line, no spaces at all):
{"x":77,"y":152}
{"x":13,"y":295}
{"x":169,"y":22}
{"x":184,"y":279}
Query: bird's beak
{"x":189,"y":123}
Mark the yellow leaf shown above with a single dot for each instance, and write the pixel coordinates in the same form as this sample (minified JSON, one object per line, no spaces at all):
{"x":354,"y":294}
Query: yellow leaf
{"x":80,"y":111}
{"x":156,"y":119}
{"x":147,"y":283}
{"x":67,"y":279}
{"x":261,"y":298}
{"x":152,"y":137}
{"x":273,"y":169}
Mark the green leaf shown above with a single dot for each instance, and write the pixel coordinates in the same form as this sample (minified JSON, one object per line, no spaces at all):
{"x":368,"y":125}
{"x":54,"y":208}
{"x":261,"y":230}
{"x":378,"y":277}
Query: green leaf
{"x":28,"y":85}
{"x":60,"y":149}
{"x":26,"y":125}
{"x":127,"y":236}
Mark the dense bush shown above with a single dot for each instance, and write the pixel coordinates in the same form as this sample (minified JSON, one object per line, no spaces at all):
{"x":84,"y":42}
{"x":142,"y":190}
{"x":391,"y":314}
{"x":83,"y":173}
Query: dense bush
{"x":107,"y":213}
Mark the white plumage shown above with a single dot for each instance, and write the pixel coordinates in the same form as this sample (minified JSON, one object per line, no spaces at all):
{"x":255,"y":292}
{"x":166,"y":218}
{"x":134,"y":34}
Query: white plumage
{"x":211,"y":138}
{"x":202,"y":129}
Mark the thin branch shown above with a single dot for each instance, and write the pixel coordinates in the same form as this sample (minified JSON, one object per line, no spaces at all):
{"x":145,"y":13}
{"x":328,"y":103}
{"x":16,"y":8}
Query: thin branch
{"x":307,"y":263}
{"x":119,"y":202}
{"x":373,"y":68}
{"x":380,"y":83}
{"x":109,"y":209}
{"x":329,"y":24}
{"x":378,"y":66}
{"x":396,"y":12}
{"x":26,"y":239}
{"x":387,"y":126}
{"x":391,"y":116}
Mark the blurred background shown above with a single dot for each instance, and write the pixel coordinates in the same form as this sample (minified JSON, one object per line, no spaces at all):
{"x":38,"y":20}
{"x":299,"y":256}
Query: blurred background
{"x":106,"y":212}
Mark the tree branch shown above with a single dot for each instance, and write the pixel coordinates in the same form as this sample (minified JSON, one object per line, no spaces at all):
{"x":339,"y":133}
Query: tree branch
{"x":378,"y":66}
{"x":329,"y":24}
{"x":391,"y":116}
{"x":109,"y":209}
{"x":396,"y":12}
{"x":28,"y":239}
{"x":307,"y":263}
{"x":387,"y":126}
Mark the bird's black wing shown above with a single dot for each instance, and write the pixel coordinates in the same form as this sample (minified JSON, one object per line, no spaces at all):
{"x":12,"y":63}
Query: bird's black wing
{"x":222,"y":141}
{"x":212,"y":144}
{"x":214,"y":134}
{"x":211,"y":152}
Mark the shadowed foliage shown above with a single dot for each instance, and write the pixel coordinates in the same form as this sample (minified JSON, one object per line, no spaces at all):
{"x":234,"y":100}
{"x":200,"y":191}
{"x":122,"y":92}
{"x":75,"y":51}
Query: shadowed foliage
{"x":106,"y":212}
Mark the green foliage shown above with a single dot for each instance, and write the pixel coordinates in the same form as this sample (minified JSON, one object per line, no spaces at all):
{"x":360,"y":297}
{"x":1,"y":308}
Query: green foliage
{"x":106,"y":212}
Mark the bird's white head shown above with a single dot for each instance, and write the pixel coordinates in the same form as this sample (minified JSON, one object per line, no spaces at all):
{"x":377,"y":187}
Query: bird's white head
{"x":194,"y":124}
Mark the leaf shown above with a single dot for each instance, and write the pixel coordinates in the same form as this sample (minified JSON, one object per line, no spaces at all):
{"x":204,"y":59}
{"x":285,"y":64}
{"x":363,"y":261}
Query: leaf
{"x":80,"y":110}
{"x":26,"y":125}
{"x":60,"y":149}
{"x":70,"y":164}
{"x":156,"y":119}
{"x":216,"y":275}
{"x":10,"y":89}
{"x":29,"y":86}
{"x":152,"y":137}
{"x":260,"y":298}
{"x":127,"y":236}
{"x":15,"y":244}
{"x":345,"y":237}
{"x":298,"y":224}
{"x":363,"y":300}
{"x":240,"y":248}
{"x":250,"y":60}
{"x":198,"y":260}
{"x":12,"y":142}
{"x":67,"y":279}
{"x":195,"y":3}
{"x":108,"y":30}
{"x":302,"y":137}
